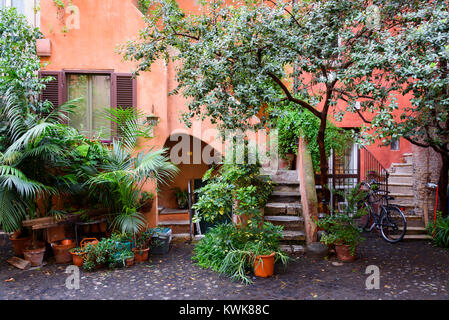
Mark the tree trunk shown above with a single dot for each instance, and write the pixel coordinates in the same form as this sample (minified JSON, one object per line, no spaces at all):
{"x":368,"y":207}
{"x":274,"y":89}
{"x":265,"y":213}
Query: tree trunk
{"x":324,"y":167}
{"x":442,"y":186}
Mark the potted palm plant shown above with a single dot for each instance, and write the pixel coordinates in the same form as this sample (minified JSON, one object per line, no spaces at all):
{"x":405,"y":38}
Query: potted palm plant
{"x":125,"y":173}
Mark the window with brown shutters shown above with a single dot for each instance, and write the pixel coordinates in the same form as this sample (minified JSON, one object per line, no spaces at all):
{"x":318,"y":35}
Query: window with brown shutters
{"x":125,"y":90}
{"x":54,"y":91}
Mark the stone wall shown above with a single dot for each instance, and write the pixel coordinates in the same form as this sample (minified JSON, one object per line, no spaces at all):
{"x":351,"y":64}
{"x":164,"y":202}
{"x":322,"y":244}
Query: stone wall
{"x":426,"y":168}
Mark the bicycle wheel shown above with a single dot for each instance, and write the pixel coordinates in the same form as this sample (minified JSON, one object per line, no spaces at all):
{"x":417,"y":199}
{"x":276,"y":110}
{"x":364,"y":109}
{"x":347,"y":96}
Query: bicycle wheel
{"x":393,"y":225}
{"x":365,"y":221}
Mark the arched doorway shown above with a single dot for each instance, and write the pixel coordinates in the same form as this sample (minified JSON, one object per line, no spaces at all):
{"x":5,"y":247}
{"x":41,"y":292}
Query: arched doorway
{"x":193,"y":158}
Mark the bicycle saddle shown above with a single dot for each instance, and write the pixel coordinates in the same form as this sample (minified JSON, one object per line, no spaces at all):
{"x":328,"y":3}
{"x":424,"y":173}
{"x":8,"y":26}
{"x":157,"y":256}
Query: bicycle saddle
{"x":389,"y":198}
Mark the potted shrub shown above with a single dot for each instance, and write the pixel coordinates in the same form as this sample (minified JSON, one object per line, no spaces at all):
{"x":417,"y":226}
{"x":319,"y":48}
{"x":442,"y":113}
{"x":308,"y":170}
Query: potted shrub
{"x":122,"y":240}
{"x":128,"y":256}
{"x":141,"y":247}
{"x":341,"y":231}
{"x":77,"y":256}
{"x":98,"y":255}
{"x":258,"y":257}
{"x":182,"y":198}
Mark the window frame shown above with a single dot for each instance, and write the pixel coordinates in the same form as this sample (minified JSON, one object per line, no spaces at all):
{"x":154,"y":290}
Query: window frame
{"x":103,"y":72}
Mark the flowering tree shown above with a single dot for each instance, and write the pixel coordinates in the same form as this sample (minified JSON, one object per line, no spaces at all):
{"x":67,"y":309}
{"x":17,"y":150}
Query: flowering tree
{"x":234,"y":60}
{"x":415,"y":62}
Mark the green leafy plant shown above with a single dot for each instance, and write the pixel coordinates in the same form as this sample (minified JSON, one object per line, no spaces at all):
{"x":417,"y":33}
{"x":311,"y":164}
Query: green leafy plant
{"x":231,"y":250}
{"x":182,"y":197}
{"x":231,"y":183}
{"x":125,"y":173}
{"x":439,"y":231}
{"x":341,"y":226}
{"x":292,"y":124}
{"x":100,"y":253}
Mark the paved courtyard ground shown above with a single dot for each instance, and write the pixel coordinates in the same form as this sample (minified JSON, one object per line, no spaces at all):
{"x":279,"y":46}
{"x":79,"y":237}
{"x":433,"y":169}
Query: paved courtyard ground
{"x":408,"y":270}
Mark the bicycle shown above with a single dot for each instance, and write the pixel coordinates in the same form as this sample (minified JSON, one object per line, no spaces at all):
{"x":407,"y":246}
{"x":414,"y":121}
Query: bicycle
{"x":389,"y":219}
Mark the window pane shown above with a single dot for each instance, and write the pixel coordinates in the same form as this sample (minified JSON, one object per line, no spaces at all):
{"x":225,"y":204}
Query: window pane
{"x":77,"y":87}
{"x":2,"y":3}
{"x":19,"y":4}
{"x":89,"y":117}
{"x":101,"y":99}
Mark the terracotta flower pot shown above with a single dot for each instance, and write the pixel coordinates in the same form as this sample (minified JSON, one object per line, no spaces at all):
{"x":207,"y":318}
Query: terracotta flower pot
{"x":35,"y":256}
{"x":287,"y":163}
{"x":141,"y":255}
{"x":103,"y":227}
{"x":343,"y":252}
{"x":129,"y":261}
{"x":264,"y":268}
{"x":61,"y":251}
{"x":67,"y":241}
{"x":19,"y":244}
{"x":78,"y":259}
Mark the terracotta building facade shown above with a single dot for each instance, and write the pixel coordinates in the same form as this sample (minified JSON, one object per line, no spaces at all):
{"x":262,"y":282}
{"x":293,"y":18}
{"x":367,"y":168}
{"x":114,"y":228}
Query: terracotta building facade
{"x":79,"y":50}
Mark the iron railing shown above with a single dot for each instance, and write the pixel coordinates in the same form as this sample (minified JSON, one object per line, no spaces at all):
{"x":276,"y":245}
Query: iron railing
{"x":346,"y":171}
{"x":372,"y":169}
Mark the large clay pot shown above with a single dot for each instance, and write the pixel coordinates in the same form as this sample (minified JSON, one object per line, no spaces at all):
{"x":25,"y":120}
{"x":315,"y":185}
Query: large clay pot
{"x":141,"y":255}
{"x":19,"y":244}
{"x":343,"y":252}
{"x":287,"y":163}
{"x":78,"y":259}
{"x":35,"y":256}
{"x":61,"y":251}
{"x":264,"y":268}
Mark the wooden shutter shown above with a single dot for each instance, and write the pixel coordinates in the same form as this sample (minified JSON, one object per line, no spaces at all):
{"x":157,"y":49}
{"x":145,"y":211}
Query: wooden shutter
{"x":125,"y":90}
{"x":54,"y":91}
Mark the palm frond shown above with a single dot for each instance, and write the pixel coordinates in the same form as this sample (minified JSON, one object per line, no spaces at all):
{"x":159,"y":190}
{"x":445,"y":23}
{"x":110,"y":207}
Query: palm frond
{"x":13,"y":179}
{"x":12,"y":210}
{"x":60,"y":114}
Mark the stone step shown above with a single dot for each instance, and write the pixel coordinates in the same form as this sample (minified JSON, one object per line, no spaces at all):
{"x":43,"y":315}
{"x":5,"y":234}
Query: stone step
{"x":290,"y":187}
{"x":283,"y":208}
{"x":285,"y":175}
{"x":417,"y":237}
{"x":293,"y":235}
{"x":173,"y":214}
{"x":288,"y":222}
{"x":403,"y":188}
{"x":177,"y":226}
{"x":293,"y":249}
{"x":400,"y":178}
{"x":285,"y":196}
{"x":404,"y":168}
{"x":414,"y":221}
{"x":415,"y":230}
{"x":408,"y":157}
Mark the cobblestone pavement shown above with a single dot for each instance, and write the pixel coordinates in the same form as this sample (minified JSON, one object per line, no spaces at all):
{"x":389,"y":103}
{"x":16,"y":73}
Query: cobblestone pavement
{"x":408,"y":270}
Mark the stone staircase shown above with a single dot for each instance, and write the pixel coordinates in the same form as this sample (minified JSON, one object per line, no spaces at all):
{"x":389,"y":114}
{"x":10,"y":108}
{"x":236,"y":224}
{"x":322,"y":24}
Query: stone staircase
{"x":400,"y":185}
{"x":284,"y":208}
{"x":177,"y":220}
